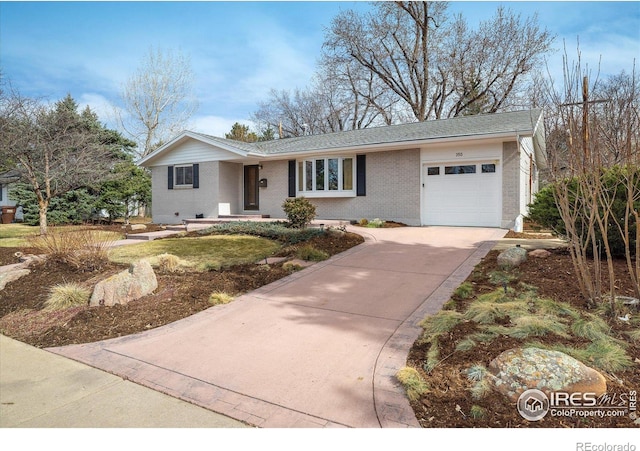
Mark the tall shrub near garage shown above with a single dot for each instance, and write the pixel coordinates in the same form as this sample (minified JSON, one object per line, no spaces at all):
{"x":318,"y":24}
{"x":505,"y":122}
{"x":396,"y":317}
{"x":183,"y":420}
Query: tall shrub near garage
{"x":300,"y":211}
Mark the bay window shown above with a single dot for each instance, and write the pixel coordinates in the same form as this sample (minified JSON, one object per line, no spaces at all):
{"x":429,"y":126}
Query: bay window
{"x":326,"y":177}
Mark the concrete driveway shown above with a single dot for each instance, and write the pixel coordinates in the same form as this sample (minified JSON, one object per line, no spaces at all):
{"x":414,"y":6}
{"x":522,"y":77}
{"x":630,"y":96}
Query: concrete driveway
{"x":319,"y":348}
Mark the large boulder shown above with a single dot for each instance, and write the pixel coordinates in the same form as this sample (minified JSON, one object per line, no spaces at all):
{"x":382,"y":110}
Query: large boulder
{"x":11,"y":275}
{"x":540,"y":253}
{"x":126,"y":286}
{"x":512,"y":257}
{"x":520,"y":369}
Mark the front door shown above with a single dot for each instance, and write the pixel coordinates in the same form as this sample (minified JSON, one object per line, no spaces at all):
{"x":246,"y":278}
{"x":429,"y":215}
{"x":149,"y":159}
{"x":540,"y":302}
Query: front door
{"x":251,"y":187}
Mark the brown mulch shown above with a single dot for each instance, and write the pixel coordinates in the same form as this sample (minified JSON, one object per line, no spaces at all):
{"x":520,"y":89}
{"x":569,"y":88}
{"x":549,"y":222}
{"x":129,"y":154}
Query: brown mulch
{"x":529,"y":235}
{"x":449,"y":386}
{"x":178,"y":295}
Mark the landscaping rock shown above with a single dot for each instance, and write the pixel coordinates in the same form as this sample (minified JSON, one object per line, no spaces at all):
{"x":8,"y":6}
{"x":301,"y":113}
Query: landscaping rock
{"x":126,"y":286}
{"x":540,"y":253}
{"x":512,"y":257}
{"x":138,"y":227}
{"x":517,"y":370}
{"x":11,"y":275}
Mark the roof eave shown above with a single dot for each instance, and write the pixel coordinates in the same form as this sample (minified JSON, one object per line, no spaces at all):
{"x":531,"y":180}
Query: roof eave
{"x":145,"y":161}
{"x":380,"y":147}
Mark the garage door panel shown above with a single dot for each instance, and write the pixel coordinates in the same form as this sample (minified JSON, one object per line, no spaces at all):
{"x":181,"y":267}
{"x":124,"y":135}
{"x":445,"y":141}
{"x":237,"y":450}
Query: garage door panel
{"x":462,"y":197}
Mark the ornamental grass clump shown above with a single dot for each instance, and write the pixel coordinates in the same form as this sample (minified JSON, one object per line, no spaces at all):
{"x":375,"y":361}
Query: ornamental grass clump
{"x":413,"y":383}
{"x":220,"y":297}
{"x":64,"y":296}
{"x":311,"y":254}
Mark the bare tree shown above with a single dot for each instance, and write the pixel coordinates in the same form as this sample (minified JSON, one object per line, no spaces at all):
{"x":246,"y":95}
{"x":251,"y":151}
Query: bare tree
{"x":158,"y":99}
{"x":437,"y":67}
{"x":595,"y":167}
{"x":56,"y":150}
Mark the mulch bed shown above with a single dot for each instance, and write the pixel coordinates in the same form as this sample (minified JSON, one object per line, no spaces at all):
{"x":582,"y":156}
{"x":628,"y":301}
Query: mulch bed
{"x":178,"y":296}
{"x":449,"y":386}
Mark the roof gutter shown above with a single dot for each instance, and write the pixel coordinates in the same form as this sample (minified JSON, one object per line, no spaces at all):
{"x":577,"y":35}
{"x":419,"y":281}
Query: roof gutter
{"x":381,"y":147}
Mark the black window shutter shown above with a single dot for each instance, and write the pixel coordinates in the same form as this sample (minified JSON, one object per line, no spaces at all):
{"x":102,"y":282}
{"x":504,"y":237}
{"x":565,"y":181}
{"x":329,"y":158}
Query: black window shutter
{"x":361,"y":175}
{"x":196,"y":175}
{"x":292,"y":178}
{"x":170,"y":177}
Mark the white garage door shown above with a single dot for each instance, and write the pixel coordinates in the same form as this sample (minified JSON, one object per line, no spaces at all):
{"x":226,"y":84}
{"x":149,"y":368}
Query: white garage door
{"x":462,"y":194}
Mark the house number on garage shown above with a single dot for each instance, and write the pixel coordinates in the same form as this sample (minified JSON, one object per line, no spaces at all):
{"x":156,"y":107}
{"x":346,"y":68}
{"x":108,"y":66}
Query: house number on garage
{"x":459,"y":154}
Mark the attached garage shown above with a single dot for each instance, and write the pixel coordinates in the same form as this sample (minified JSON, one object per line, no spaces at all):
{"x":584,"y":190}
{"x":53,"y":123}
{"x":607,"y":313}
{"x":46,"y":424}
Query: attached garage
{"x":462,"y":193}
{"x":464,"y":171}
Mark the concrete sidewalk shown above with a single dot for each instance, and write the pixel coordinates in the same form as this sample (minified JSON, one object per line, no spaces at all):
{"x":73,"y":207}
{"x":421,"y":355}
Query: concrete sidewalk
{"x":39,"y":389}
{"x":319,"y":348}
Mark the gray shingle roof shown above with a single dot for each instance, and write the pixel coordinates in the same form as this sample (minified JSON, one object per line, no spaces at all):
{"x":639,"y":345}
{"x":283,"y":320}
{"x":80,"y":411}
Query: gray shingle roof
{"x":486,"y":124}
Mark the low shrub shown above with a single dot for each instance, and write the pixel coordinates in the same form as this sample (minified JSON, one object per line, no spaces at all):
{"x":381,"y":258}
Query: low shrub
{"x":300,"y":211}
{"x":376,"y":223}
{"x":272,"y":230}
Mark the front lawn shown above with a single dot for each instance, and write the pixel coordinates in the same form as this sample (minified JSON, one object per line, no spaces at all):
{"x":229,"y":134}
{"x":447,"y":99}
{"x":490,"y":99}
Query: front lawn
{"x":194,"y":273}
{"x":203,"y":253}
{"x":16,"y":235}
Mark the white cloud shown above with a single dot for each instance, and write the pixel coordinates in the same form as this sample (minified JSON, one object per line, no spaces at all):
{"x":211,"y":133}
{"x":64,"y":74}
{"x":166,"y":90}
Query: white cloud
{"x":102,"y":106}
{"x":216,"y":125}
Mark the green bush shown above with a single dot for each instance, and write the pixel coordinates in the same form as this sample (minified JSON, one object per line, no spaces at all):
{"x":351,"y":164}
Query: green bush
{"x":544,"y":210}
{"x":376,"y":223}
{"x":300,"y":211}
{"x":272,"y":230}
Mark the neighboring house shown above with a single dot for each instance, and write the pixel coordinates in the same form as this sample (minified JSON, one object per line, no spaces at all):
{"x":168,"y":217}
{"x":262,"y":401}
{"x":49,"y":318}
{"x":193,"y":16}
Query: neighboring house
{"x":466,"y":171}
{"x":6,"y":179}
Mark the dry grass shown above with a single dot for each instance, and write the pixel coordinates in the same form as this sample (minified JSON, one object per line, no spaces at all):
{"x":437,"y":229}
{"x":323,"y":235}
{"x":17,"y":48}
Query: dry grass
{"x":168,"y":263}
{"x":310,"y":253}
{"x":413,"y":383}
{"x":64,"y":296}
{"x":201,"y":253}
{"x":85,"y":249}
{"x":220,"y":297}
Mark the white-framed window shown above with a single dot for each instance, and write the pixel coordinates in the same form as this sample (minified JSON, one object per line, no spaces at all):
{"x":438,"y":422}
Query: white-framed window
{"x":326,"y":177}
{"x":183,"y":175}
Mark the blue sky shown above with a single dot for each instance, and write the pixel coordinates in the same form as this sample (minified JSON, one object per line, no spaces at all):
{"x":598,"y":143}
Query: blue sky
{"x":240,"y":50}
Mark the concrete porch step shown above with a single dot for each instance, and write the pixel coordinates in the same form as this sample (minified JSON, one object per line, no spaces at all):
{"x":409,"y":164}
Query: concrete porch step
{"x":243,"y":216}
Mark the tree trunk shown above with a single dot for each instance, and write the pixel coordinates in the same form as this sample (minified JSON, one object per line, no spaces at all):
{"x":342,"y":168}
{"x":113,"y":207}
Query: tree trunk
{"x":42,"y":210}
